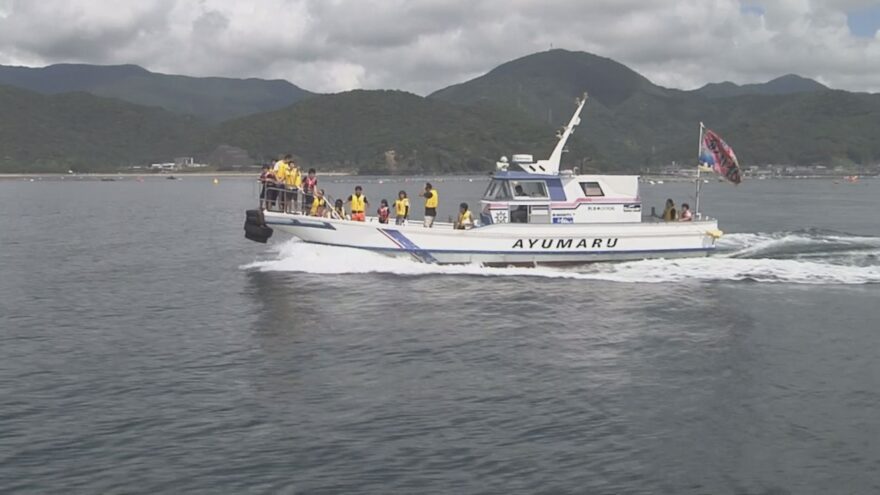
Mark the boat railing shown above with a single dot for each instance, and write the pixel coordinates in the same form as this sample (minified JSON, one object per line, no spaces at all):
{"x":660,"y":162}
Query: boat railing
{"x":271,"y":199}
{"x":328,"y":199}
{"x":654,"y":217}
{"x":282,"y":200}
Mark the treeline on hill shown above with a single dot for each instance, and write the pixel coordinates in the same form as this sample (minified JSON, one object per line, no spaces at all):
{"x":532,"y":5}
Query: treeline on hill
{"x":629,"y":122}
{"x":388,"y":132}
{"x":54,"y":133}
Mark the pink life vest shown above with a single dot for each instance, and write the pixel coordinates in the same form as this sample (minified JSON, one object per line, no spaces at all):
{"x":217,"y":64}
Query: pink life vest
{"x":309,"y":184}
{"x":383,"y":212}
{"x":687,"y":216}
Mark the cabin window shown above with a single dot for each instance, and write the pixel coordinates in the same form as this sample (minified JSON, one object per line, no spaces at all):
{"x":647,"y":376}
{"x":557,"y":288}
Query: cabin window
{"x":497,"y":191}
{"x":592,"y":189}
{"x":527,"y":189}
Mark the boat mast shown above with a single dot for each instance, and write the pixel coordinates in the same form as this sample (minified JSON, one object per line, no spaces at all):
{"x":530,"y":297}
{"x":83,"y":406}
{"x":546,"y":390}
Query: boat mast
{"x":551,"y":165}
{"x":699,"y":167}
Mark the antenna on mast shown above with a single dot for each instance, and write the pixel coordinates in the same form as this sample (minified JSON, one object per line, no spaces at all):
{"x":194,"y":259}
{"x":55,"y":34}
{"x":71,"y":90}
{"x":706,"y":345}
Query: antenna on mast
{"x":551,"y":165}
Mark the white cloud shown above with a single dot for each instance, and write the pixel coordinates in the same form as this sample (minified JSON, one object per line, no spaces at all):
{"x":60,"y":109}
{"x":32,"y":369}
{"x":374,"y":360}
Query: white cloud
{"x":423,"y":45}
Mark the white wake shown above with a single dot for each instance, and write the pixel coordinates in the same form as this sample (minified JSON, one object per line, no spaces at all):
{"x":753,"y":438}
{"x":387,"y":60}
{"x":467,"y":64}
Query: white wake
{"x":736,"y":264}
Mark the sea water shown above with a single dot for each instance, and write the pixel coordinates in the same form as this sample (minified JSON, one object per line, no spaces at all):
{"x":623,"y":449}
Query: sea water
{"x":147,"y":347}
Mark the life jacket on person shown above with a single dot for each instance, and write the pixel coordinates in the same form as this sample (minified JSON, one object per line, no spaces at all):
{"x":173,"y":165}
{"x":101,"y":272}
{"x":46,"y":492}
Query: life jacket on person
{"x":465,"y":220}
{"x":282,"y":170}
{"x":400,"y":207}
{"x":317,"y":204}
{"x":293,"y":179}
{"x":308,"y":184}
{"x":432,"y":201}
{"x":358,"y":203}
{"x":383,"y":213}
{"x":669,"y":214}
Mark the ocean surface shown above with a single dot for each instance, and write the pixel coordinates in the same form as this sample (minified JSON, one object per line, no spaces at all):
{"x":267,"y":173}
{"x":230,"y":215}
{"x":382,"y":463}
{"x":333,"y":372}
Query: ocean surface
{"x":147,"y":347}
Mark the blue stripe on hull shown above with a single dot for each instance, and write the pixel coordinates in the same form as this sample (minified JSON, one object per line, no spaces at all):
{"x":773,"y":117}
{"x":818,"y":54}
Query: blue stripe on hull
{"x":408,"y":245}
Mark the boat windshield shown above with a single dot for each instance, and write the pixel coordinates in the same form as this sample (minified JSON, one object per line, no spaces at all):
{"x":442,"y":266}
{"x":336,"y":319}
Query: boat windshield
{"x":498,"y":191}
{"x":527,"y":189}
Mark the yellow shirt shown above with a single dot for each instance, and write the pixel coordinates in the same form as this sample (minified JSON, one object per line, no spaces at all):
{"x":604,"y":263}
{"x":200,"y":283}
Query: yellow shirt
{"x":400,"y":206}
{"x":433,"y":200}
{"x":465,"y":220}
{"x":281,"y":171}
{"x":294,"y":177}
{"x":316,"y":204}
{"x":358,"y":203}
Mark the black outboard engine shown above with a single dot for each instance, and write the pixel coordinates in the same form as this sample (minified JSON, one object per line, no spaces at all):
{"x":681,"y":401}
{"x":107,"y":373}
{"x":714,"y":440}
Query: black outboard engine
{"x":255,"y":227}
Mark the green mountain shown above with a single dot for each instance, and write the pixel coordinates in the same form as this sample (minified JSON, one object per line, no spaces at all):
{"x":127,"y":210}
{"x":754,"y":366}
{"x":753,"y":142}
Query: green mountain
{"x":630,"y":123}
{"x":213,"y":99}
{"x":52,"y":133}
{"x":387,"y":132}
{"x":545,"y":84}
{"x":785,"y":85}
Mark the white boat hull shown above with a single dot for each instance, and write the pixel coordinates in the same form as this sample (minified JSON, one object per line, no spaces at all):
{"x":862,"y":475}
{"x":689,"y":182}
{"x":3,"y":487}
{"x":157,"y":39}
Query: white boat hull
{"x":507,"y":244}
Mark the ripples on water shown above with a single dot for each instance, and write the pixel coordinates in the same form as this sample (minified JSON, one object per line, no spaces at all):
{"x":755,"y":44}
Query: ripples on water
{"x":146,"y":347}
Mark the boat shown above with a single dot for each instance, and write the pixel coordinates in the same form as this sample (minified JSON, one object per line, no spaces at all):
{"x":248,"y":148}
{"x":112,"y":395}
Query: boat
{"x":532,"y":213}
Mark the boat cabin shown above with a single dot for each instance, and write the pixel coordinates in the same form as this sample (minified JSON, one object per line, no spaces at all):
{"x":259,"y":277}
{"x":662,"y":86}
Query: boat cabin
{"x":526,"y":197}
{"x":542,"y":193}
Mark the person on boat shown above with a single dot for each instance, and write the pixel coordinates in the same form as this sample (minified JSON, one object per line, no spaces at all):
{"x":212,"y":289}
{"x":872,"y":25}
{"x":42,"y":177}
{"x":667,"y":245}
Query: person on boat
{"x":282,"y":171}
{"x":279,"y":163}
{"x":383,"y":212}
{"x":267,"y":186}
{"x":401,"y":208}
{"x":293,"y":180}
{"x":686,"y":215}
{"x":359,"y":204}
{"x":309,"y":183}
{"x":339,"y":209}
{"x":669,"y":213}
{"x":432,"y":199}
{"x":465,"y":218}
{"x":319,"y":204}
{"x":520,"y":213}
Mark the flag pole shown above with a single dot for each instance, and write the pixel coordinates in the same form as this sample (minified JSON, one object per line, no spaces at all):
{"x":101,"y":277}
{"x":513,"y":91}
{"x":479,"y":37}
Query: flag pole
{"x":699,"y":181}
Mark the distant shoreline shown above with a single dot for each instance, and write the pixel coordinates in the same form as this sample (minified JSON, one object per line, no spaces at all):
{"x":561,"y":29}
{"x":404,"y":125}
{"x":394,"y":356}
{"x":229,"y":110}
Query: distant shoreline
{"x":255,"y":175}
{"x":147,"y":175}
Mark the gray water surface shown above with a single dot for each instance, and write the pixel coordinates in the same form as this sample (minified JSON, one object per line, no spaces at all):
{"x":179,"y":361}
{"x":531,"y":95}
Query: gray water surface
{"x":147,"y":347}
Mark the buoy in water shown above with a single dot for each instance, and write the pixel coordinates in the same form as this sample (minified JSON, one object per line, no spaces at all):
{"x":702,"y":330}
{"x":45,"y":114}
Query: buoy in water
{"x":216,"y":181}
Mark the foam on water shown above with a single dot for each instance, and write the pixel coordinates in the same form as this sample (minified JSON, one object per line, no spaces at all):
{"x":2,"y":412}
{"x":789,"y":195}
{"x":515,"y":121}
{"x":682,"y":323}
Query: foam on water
{"x":743,"y":257}
{"x":807,"y":243}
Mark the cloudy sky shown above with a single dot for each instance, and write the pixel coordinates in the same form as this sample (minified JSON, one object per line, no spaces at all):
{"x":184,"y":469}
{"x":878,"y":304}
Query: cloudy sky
{"x":423,"y":45}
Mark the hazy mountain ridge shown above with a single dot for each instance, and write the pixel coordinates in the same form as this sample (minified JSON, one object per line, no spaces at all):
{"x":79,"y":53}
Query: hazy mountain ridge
{"x":636,"y":124}
{"x":785,"y":85}
{"x":386,"y":131}
{"x":52,"y":133}
{"x":213,"y":99}
{"x":629,"y":122}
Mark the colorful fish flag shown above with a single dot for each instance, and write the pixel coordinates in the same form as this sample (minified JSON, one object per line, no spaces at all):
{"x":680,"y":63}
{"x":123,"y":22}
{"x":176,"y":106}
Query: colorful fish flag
{"x":717,"y":155}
